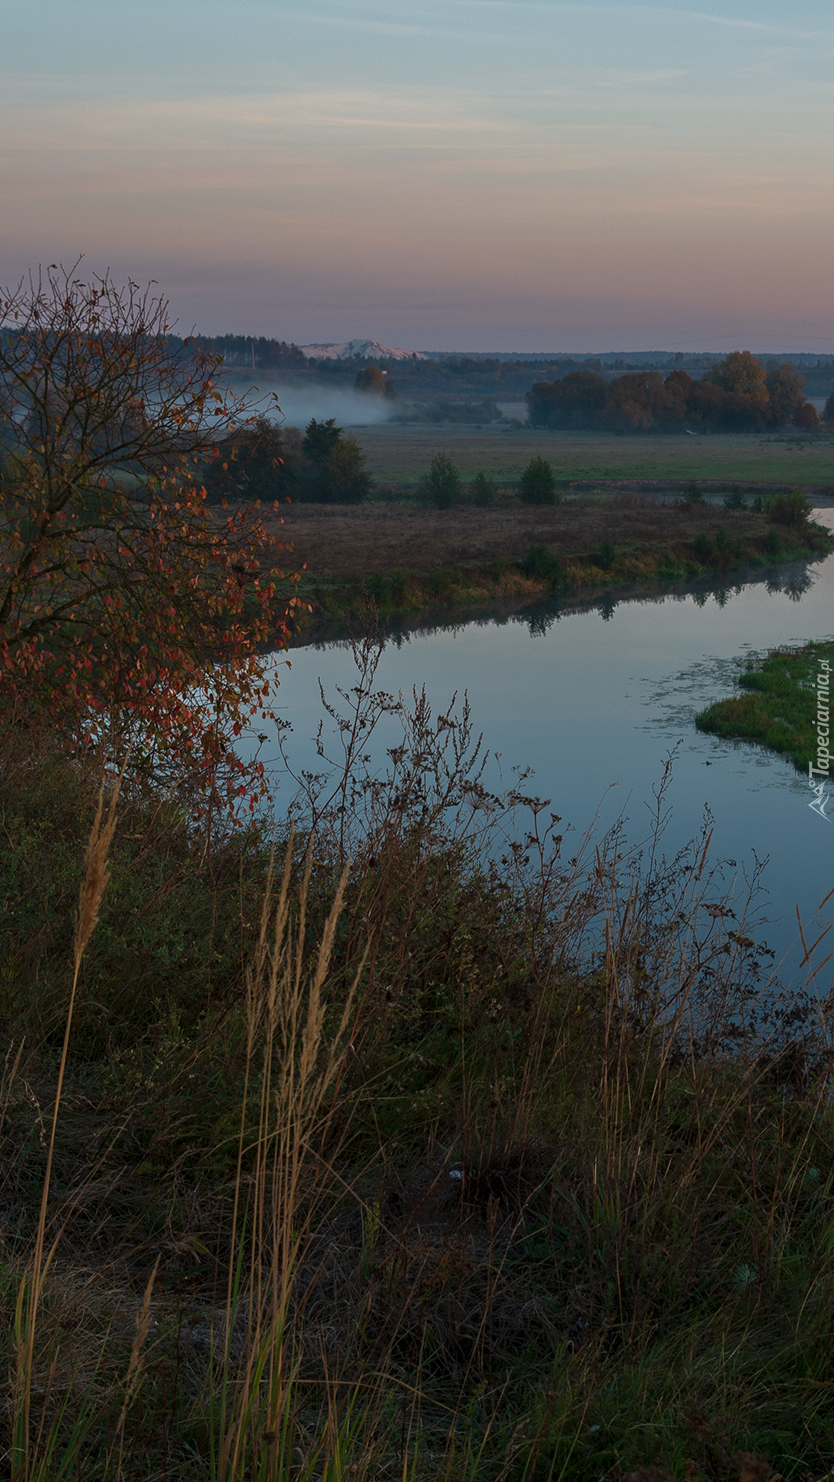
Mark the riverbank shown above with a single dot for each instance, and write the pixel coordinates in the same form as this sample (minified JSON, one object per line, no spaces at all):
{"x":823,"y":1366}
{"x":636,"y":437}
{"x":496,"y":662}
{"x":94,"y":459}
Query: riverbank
{"x":411,"y":559}
{"x":481,"y":1202}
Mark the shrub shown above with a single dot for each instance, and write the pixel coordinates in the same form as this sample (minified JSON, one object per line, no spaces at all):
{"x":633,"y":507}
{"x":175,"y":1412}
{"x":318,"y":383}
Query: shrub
{"x":693,"y":493}
{"x":735,"y":499}
{"x":772,"y":543}
{"x":543,"y":565}
{"x":703,"y":548}
{"x":388,"y":590}
{"x":605,"y":555}
{"x":442,"y":579}
{"x":483,"y":491}
{"x":440,"y":487}
{"x":728,"y":547}
{"x":793,"y":508}
{"x":538,"y":485}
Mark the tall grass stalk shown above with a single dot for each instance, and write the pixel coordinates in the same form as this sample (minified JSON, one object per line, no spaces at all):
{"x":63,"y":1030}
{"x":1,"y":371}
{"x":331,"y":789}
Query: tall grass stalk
{"x":91,"y":894}
{"x":285,"y":1009}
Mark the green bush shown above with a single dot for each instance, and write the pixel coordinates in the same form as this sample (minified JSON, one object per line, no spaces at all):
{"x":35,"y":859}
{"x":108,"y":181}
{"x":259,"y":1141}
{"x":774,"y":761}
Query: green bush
{"x":543,"y":565}
{"x":793,"y":508}
{"x":772,"y":543}
{"x":440,"y":487}
{"x":388,"y":589}
{"x":703,"y":548}
{"x":727,"y":547}
{"x":483,"y":491}
{"x":442,"y":579}
{"x":693,"y":493}
{"x":538,"y":485}
{"x":735,"y":499}
{"x":606,"y":555}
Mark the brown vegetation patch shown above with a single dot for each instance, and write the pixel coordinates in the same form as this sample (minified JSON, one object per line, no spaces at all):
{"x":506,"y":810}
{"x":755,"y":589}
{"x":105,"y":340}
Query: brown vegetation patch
{"x":347,"y":541}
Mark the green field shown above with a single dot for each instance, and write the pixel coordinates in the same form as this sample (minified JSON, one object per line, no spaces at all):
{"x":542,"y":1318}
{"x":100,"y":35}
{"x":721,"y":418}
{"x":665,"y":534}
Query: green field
{"x":398,"y":454}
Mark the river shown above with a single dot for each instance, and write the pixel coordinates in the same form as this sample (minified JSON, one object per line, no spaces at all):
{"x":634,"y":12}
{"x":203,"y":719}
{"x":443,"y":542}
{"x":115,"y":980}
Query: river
{"x":594,"y":701}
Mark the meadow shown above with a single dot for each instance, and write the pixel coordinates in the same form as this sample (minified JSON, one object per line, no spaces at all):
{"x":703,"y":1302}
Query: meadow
{"x":410,"y":557}
{"x":398,"y":453}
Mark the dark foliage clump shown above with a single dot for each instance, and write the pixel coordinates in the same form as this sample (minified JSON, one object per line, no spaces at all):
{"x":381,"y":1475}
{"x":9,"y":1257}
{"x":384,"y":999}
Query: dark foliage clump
{"x":736,"y":395}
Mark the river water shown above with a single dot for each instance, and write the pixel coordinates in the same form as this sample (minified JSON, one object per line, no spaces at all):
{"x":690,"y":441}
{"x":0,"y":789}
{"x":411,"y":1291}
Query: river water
{"x":594,"y":701}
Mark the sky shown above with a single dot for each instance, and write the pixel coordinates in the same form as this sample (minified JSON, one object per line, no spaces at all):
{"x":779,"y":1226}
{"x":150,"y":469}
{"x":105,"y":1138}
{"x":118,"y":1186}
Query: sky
{"x":472,"y":174}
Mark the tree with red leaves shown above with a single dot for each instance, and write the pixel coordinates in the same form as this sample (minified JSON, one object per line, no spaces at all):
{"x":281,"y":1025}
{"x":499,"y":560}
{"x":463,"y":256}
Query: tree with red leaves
{"x":128,"y":606}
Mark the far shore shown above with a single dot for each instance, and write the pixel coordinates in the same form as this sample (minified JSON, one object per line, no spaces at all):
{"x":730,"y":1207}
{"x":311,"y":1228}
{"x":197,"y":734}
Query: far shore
{"x":411,"y":558}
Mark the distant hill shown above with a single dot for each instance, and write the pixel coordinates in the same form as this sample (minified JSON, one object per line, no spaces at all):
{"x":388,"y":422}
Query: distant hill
{"x":359,"y":350}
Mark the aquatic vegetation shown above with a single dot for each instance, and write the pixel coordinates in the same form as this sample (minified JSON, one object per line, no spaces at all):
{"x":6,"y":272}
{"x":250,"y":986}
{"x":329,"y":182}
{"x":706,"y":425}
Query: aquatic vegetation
{"x":779,"y":707}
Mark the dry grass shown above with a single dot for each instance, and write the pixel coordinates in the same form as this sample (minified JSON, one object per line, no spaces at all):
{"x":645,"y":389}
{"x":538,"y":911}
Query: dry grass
{"x":486,"y":1164}
{"x":343,"y":542}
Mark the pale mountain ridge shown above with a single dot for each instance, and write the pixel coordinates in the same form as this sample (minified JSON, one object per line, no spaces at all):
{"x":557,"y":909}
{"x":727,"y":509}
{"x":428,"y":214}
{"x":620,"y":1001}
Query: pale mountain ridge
{"x":360,"y":350}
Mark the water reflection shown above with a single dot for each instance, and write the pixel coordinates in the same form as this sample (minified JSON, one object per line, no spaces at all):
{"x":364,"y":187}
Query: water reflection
{"x":593,"y":693}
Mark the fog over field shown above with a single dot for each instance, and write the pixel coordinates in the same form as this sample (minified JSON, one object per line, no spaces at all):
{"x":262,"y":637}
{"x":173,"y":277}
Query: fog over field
{"x":350,"y":408}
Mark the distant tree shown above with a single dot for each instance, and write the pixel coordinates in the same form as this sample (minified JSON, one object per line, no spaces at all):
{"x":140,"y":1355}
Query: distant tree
{"x":785,"y":393}
{"x":744,"y":377}
{"x":806,"y":416}
{"x":574,"y":402}
{"x":483,"y":490}
{"x":370,"y":380}
{"x":335,"y":472}
{"x":244,"y":350}
{"x":374,"y":382}
{"x":441,"y":486}
{"x":681,"y":381}
{"x":538,"y":485}
{"x":828,"y":411}
{"x":348,"y":481}
{"x":704,"y":405}
{"x":643,"y":401}
{"x":320,"y":438}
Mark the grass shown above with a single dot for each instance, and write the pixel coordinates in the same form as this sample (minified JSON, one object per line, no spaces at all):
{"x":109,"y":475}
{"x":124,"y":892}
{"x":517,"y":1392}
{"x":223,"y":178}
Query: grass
{"x":415,"y":558}
{"x":423,"y":1152}
{"x":779,"y":707}
{"x":398,"y":454}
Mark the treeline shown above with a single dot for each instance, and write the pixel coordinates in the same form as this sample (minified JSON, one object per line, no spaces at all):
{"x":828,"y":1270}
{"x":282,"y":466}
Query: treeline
{"x":265,"y":462}
{"x":246,"y":350}
{"x":737,"y":395}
